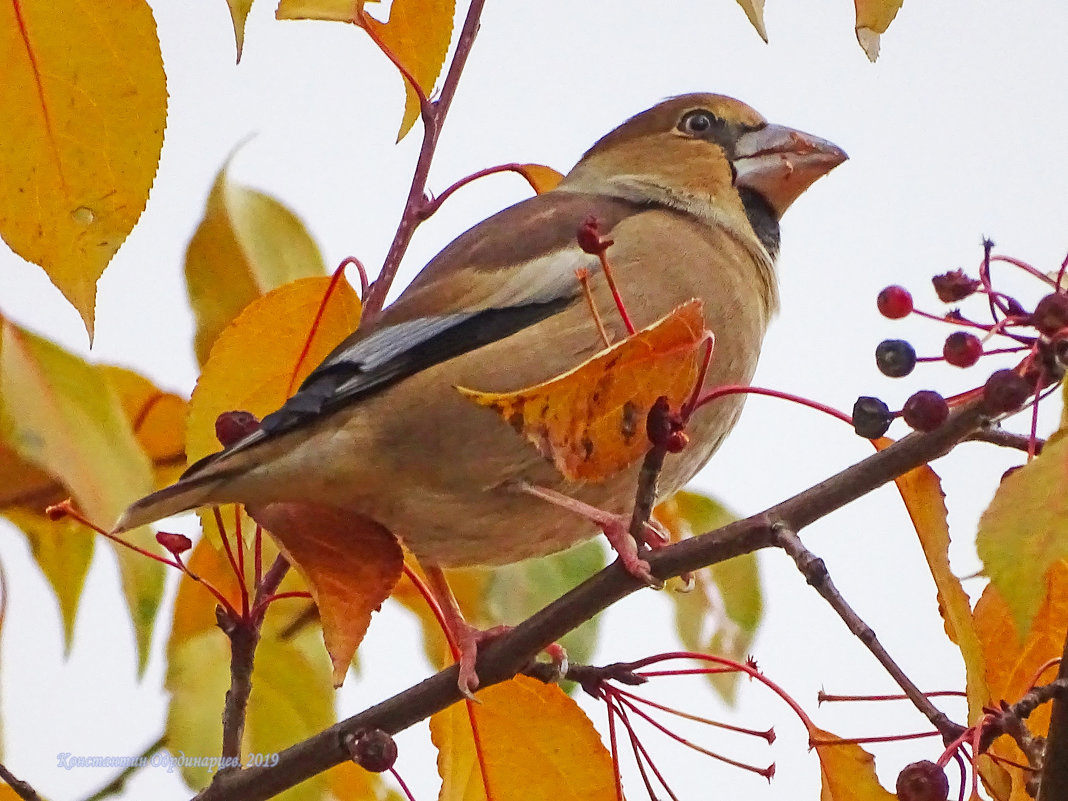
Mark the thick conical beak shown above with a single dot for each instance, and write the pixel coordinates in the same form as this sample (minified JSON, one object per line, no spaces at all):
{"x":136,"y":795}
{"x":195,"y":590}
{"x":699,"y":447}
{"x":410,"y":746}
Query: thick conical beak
{"x":780,"y":163}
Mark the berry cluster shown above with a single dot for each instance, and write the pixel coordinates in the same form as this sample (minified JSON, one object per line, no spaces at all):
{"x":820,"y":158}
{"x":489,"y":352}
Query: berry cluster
{"x":1039,"y":336}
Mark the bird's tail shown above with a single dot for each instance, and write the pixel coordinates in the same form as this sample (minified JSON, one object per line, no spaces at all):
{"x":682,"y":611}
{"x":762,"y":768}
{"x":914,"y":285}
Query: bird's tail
{"x":186,"y":494}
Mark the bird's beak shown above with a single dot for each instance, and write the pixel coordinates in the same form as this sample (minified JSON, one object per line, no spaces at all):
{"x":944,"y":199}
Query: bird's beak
{"x":780,"y":163}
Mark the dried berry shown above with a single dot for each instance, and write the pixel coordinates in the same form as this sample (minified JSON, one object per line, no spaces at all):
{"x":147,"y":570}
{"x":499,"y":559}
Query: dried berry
{"x":233,"y":426}
{"x":373,"y":750}
{"x":922,"y":781}
{"x":871,"y":417}
{"x":894,"y":302}
{"x":954,"y":286}
{"x":1005,"y":391}
{"x":895,"y":357}
{"x":175,"y":543}
{"x":1051,"y":314}
{"x":925,"y":410}
{"x":962,"y":349}
{"x":589,"y":237}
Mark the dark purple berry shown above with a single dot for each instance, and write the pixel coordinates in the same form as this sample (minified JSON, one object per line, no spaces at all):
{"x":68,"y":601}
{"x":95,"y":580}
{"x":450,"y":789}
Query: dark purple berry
{"x":1005,"y":391}
{"x":589,"y":237}
{"x":373,"y":750}
{"x":962,"y":349}
{"x":233,"y":426}
{"x":925,"y":410}
{"x":871,"y":417}
{"x":954,"y":286}
{"x":922,"y":781}
{"x":894,"y":302}
{"x":895,"y":357}
{"x":1051,"y":314}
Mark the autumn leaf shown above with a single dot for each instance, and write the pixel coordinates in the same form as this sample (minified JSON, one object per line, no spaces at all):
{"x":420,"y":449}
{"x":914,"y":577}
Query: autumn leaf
{"x":246,"y":244}
{"x":350,"y":564}
{"x":84,"y":107}
{"x":1024,"y":531}
{"x":721,"y":612}
{"x":847,"y":771}
{"x":542,"y":179}
{"x":327,"y":10}
{"x":533,"y":743}
{"x":590,"y":421}
{"x":61,"y":414}
{"x":754,"y":9}
{"x":873,"y":18}
{"x":238,"y":14}
{"x":921,"y":490}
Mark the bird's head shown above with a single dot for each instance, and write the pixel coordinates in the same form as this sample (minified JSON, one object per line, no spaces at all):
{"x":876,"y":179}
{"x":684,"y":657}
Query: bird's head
{"x":710,"y":155}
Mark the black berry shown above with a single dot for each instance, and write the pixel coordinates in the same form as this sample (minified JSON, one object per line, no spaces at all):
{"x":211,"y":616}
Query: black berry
{"x":922,"y":781}
{"x":233,"y":426}
{"x":1005,"y":391}
{"x":871,"y":417}
{"x":1051,"y":314}
{"x":373,"y":750}
{"x":894,"y":302}
{"x":895,"y":357}
{"x":962,"y":349}
{"x":925,"y":410}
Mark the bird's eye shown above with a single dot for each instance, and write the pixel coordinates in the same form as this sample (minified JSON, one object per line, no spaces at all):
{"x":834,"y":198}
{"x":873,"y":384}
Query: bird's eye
{"x":698,"y":122}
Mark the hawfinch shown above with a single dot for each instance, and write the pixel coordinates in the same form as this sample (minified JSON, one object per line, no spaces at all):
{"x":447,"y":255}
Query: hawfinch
{"x":691,"y":193}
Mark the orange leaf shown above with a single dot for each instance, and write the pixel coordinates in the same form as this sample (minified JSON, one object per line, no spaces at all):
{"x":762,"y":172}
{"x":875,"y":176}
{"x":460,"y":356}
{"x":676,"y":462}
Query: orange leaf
{"x":329,"y":10}
{"x":590,"y":421}
{"x":418,"y":34}
{"x":84,"y":106}
{"x":351,"y":565}
{"x":873,"y":18}
{"x":847,"y":771}
{"x":532,"y":743}
{"x":541,"y":178}
{"x":921,"y":490}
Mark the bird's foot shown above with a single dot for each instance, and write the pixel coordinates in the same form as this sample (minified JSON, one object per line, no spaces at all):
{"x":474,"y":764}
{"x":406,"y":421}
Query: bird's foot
{"x":468,"y":639}
{"x":616,"y":529}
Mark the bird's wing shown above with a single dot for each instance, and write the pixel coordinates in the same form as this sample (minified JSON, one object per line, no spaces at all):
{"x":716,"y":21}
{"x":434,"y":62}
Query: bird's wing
{"x":512,"y":271}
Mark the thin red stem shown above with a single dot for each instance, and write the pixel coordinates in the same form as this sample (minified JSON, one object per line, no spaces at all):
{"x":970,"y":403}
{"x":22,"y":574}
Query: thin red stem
{"x":614,"y":745}
{"x":702,"y":373}
{"x":403,"y":785}
{"x":888,"y":738}
{"x":435,"y":608}
{"x":828,"y":698}
{"x":606,"y":268}
{"x":768,"y":736}
{"x":258,"y":545}
{"x":738,"y":389}
{"x":635,"y":742}
{"x":368,"y":23}
{"x":335,"y":279}
{"x":261,"y":606}
{"x":430,"y":206}
{"x":365,"y":283}
{"x":1025,"y":267}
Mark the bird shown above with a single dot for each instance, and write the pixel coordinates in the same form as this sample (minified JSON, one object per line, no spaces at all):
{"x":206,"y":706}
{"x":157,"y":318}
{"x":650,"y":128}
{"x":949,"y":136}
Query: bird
{"x":690,"y":193}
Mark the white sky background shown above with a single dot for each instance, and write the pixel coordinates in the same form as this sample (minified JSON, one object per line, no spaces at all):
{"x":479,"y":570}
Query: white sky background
{"x":957,"y":132}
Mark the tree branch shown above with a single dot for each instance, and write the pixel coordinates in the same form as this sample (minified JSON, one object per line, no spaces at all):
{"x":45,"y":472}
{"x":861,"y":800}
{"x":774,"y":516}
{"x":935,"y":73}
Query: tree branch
{"x":22,"y":789}
{"x":1054,"y":785}
{"x":117,"y":784}
{"x":508,"y":655}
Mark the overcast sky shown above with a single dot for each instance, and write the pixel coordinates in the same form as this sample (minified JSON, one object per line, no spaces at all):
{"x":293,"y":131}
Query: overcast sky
{"x":956,"y":133}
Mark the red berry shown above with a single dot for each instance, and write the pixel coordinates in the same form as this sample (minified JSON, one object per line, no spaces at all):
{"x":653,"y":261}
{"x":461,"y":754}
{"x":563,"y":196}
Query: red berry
{"x":373,"y":750}
{"x":925,"y":410}
{"x":589,"y":237}
{"x":871,"y":417}
{"x":233,"y":426}
{"x":175,"y":543}
{"x":895,"y":358}
{"x":1051,"y":314}
{"x":894,"y":302}
{"x":954,"y":286}
{"x":922,"y":781}
{"x":1005,"y":391}
{"x":962,"y":349}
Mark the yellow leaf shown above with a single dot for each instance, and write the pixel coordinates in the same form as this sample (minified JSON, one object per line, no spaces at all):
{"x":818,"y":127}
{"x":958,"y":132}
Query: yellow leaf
{"x":238,"y":14}
{"x":84,"y":103}
{"x":873,"y":18}
{"x":754,"y":9}
{"x":60,"y":413}
{"x":349,"y":782}
{"x":590,"y":421}
{"x":541,"y":178}
{"x":1024,"y":531}
{"x":246,"y":244}
{"x":847,"y":771}
{"x":350,"y":563}
{"x":921,"y":490}
{"x":535,"y":744}
{"x":418,"y":34}
{"x":721,"y":612}
{"x":331,"y":10}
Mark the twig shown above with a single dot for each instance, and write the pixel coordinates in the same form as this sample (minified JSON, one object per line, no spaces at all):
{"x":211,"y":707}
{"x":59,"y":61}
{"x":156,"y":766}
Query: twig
{"x":1054,"y":777}
{"x":505,"y":657}
{"x":117,"y":784}
{"x":22,"y":789}
{"x":414,"y":205}
{"x":815,"y":572}
{"x":1007,"y":439}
